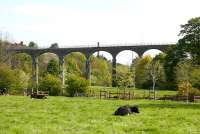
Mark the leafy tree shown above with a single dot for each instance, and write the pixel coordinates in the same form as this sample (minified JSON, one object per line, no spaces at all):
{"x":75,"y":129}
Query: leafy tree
{"x":142,"y":74}
{"x":101,"y":71}
{"x":191,"y":39}
{"x":52,"y":84}
{"x":7,"y":77}
{"x":195,"y":79}
{"x":54,"y":45}
{"x":183,"y":73}
{"x":173,"y":56}
{"x":21,"y":81}
{"x":21,"y":61}
{"x":75,"y":63}
{"x":124,"y":76}
{"x":53,"y":67}
{"x":32,"y":45}
{"x":76,"y":84}
{"x":44,"y":60}
{"x":3,"y":55}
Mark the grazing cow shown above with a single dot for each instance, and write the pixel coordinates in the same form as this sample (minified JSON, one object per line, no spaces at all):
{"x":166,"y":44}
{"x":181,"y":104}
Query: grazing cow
{"x":126,"y":110}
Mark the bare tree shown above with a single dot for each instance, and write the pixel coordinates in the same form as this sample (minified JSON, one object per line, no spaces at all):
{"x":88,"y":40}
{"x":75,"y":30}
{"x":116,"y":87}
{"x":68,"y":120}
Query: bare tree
{"x":156,"y":72}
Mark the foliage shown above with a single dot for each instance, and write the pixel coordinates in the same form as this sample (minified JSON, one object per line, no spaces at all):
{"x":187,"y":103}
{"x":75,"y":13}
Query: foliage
{"x":54,"y":45}
{"x":22,"y":61}
{"x":191,"y":39}
{"x":173,"y":56}
{"x":7,"y":78}
{"x":183,"y":71}
{"x":21,"y":81}
{"x":101,"y":71}
{"x":53,"y":67}
{"x":52,"y":84}
{"x":33,"y":45}
{"x":185,"y":89}
{"x":3,"y":46}
{"x":76,"y":84}
{"x":142,"y":74}
{"x":195,"y":77}
{"x":44,"y":60}
{"x":75,"y":63}
{"x":124,"y":76}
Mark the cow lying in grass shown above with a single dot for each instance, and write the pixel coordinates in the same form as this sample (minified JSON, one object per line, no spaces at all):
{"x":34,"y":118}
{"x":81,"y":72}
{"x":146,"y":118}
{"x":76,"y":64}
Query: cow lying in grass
{"x":126,"y":110}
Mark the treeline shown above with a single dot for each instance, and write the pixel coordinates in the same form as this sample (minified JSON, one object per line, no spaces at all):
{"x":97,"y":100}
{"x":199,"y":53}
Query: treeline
{"x":179,"y":65}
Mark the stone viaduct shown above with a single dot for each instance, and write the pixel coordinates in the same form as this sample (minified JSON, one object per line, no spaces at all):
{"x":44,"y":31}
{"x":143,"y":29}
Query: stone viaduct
{"x":87,"y":52}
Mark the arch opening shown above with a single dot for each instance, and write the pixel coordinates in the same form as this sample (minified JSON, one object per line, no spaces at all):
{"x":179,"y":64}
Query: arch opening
{"x":152,"y":52}
{"x":44,"y":61}
{"x":126,"y":57}
{"x":101,"y":68}
{"x":125,"y":70}
{"x":74,"y":63}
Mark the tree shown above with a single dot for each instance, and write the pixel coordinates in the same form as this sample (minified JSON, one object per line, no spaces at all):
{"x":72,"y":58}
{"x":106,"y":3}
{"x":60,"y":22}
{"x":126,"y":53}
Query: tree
{"x":32,"y":45}
{"x":54,"y":45}
{"x":7,"y":78}
{"x":156,"y":72}
{"x":124,"y":76}
{"x":142,"y":74}
{"x":53,"y":67}
{"x":21,"y":81}
{"x":191,"y":39}
{"x":52,"y":84}
{"x":173,"y":56}
{"x":76,"y":84}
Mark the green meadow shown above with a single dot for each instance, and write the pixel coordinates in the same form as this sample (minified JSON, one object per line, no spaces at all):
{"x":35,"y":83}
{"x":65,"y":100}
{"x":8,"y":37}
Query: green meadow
{"x":80,"y":115}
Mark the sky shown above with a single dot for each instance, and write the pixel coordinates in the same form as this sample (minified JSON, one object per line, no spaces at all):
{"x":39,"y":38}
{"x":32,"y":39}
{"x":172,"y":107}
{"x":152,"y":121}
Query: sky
{"x":86,"y":22}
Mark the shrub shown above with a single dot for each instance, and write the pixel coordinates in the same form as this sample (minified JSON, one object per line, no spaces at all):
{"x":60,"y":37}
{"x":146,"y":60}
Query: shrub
{"x":7,"y":78}
{"x":76,"y":84}
{"x":21,"y":81}
{"x":52,"y":84}
{"x":185,"y":88}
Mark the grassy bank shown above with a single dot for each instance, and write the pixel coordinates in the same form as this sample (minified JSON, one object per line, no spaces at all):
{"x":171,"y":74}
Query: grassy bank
{"x":62,"y":115}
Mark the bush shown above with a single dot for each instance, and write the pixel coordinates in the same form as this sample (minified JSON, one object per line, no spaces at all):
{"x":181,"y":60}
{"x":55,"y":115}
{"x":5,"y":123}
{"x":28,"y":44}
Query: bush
{"x":52,"y":84}
{"x":21,"y":82}
{"x":7,"y":78}
{"x":185,"y":88}
{"x":76,"y":84}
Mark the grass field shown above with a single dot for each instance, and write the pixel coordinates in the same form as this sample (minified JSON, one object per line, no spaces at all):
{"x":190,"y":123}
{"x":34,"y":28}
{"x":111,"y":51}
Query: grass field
{"x":63,"y":115}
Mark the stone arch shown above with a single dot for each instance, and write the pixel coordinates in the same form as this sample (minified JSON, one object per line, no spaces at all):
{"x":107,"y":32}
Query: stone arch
{"x":152,"y":52}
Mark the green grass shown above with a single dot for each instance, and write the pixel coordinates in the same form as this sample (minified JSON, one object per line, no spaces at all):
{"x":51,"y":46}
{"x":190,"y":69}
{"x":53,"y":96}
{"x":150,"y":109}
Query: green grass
{"x":62,"y":115}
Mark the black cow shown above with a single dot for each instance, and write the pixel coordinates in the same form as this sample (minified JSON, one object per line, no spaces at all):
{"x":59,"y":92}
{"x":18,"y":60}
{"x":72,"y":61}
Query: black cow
{"x":126,"y":110}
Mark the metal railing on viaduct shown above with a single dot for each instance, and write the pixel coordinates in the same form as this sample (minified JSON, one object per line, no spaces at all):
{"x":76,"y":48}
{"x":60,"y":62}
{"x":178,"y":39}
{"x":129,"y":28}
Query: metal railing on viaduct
{"x":140,"y":49}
